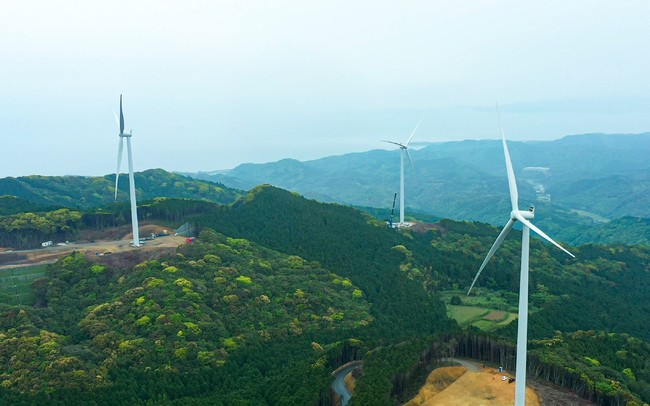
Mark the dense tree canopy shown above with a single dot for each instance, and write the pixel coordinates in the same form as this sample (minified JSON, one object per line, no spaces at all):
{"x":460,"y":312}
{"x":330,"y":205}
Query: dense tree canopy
{"x":278,"y":291}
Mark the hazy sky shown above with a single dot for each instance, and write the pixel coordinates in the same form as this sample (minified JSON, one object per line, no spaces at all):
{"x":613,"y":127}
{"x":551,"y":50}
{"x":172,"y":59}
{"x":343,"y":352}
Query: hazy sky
{"x":211,"y":84}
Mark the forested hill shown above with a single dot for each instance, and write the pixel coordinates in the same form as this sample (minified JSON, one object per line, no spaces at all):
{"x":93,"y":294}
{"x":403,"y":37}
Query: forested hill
{"x":13,"y":205}
{"x":589,"y":292}
{"x":223,"y":319}
{"x":587,"y":177}
{"x":279,"y":290}
{"x":85,"y":192}
{"x":348,"y":242}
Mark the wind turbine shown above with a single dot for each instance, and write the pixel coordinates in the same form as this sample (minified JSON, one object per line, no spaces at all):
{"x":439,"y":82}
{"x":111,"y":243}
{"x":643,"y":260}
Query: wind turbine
{"x":134,"y":206}
{"x":403,"y":151}
{"x":523,"y":216}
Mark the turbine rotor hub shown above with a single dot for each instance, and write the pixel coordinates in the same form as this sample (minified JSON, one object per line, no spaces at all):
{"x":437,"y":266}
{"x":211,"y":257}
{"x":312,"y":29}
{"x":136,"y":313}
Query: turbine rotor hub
{"x":527,"y":214}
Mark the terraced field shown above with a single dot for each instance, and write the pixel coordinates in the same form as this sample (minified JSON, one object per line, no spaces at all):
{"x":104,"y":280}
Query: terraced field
{"x":482,"y":317}
{"x":15,"y":284}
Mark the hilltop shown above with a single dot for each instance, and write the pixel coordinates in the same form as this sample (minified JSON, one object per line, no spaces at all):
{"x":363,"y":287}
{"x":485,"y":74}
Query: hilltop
{"x":83,"y":192}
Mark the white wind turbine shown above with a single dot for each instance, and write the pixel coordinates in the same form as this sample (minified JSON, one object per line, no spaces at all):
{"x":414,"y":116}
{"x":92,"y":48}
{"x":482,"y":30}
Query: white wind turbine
{"x":134,"y":206}
{"x":523,"y":216}
{"x":403,"y":150}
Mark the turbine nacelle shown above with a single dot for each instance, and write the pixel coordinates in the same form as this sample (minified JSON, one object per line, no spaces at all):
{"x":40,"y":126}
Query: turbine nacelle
{"x":527,"y":214}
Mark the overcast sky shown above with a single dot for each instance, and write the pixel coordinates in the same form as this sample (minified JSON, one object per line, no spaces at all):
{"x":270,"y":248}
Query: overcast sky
{"x":211,"y":84}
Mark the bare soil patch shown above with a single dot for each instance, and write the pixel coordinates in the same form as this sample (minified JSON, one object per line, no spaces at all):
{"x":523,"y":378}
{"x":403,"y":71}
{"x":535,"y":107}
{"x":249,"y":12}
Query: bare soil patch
{"x":495,"y":315}
{"x":552,"y":395}
{"x":436,"y":382}
{"x":98,"y":249}
{"x":129,"y":259}
{"x":485,"y":387}
{"x":422,"y":228}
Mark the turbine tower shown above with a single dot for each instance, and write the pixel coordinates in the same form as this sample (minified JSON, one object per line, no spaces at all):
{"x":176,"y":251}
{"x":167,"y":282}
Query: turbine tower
{"x":403,"y":151}
{"x":134,"y":206}
{"x":523,"y":216}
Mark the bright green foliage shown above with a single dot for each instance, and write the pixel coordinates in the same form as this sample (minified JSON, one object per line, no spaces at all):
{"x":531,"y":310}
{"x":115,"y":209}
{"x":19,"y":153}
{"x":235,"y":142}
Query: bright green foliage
{"x":97,"y":269}
{"x":629,"y":374}
{"x":171,"y":269}
{"x":299,"y":294}
{"x":142,"y":321}
{"x":30,"y":229}
{"x":230,"y":344}
{"x":160,"y":322}
{"x":182,"y":282}
{"x":244,"y":280}
{"x":611,"y":374}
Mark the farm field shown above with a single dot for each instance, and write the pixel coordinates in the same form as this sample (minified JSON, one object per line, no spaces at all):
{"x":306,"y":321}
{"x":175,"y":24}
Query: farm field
{"x":482,"y":317}
{"x":15,"y":284}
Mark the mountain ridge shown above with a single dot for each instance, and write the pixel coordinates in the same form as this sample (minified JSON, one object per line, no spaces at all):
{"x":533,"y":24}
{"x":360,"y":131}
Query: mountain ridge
{"x":598,"y":175}
{"x":93,"y":191}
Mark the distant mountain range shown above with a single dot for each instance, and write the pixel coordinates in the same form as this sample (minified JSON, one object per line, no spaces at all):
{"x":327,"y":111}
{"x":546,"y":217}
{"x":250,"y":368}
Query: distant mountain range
{"x":578,"y":180}
{"x":586,"y":188}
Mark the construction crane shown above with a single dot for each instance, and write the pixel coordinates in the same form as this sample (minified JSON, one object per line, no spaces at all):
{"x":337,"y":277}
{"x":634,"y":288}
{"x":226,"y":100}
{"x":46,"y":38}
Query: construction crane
{"x":392,"y":212}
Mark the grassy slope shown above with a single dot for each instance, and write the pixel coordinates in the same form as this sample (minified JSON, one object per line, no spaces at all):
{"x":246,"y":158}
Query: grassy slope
{"x":15,"y":284}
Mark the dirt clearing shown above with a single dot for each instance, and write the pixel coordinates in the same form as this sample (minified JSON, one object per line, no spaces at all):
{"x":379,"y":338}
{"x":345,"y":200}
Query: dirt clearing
{"x":452,"y":386}
{"x":495,"y":315}
{"x":99,"y":248}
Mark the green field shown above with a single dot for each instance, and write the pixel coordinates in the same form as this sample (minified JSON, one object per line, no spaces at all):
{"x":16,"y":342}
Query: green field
{"x":476,"y":316}
{"x":465,"y":315}
{"x":15,"y":284}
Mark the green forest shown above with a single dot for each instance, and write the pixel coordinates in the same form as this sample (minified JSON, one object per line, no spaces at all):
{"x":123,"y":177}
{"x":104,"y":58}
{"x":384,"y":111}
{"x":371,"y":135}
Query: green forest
{"x":84,"y":192}
{"x":278,"y":291}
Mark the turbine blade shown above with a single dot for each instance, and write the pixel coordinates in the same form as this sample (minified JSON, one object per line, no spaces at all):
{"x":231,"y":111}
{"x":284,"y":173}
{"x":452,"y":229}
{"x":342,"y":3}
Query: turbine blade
{"x":497,"y":243}
{"x":512,"y":183}
{"x":540,"y":233}
{"x":121,"y":117}
{"x":396,"y":143}
{"x":413,"y":133}
{"x":119,"y":162}
{"x":409,"y":157}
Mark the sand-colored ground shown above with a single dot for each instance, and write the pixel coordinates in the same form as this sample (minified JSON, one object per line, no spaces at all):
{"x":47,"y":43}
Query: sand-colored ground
{"x":453,"y":386}
{"x":52,"y":253}
{"x":436,"y":382}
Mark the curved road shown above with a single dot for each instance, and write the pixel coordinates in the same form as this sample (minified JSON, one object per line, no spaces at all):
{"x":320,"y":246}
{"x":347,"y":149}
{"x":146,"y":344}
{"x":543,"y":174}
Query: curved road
{"x":339,"y":386}
{"x":469,"y":365}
